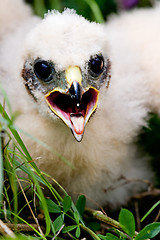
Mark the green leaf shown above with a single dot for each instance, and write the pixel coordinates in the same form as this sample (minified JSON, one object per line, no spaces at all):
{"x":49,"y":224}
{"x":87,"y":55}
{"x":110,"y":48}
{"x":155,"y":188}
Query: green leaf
{"x":126,"y":219}
{"x":80,"y":204}
{"x":52,"y":206}
{"x":149,"y":231}
{"x":101,"y":236}
{"x":57,"y":224}
{"x":108,"y":236}
{"x":111,"y":237}
{"x":69,"y":228}
{"x":76,"y":216}
{"x":67,"y":203}
{"x":78,"y":232}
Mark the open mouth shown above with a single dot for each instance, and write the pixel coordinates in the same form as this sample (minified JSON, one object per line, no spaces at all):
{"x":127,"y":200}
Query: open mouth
{"x":75,"y":117}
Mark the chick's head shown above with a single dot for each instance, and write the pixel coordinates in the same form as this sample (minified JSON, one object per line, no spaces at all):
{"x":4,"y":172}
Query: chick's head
{"x":65,"y":65}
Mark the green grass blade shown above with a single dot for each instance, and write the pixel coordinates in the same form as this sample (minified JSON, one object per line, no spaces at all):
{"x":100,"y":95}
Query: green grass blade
{"x":29,"y":158}
{"x":154,"y":206}
{"x":1,"y":166}
{"x":39,"y":6}
{"x":96,"y":10}
{"x":45,"y":146}
{"x":10,"y":170}
{"x":29,"y":226}
{"x":6,"y":99}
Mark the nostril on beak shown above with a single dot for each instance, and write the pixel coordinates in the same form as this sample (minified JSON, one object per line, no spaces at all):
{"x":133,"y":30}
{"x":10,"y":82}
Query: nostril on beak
{"x":76,"y":93}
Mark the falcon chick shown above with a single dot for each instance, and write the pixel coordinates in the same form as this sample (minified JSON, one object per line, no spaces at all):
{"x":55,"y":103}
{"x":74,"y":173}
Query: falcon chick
{"x":57,"y":71}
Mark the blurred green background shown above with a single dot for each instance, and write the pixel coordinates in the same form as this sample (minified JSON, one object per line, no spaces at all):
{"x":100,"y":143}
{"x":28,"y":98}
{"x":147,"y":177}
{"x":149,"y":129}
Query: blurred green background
{"x":90,"y":9}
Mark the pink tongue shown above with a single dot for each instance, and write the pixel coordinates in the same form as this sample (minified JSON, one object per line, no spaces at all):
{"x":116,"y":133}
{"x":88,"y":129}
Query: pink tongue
{"x":78,"y":123}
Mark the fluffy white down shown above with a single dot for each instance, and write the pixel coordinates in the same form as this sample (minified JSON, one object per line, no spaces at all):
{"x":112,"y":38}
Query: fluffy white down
{"x":15,"y":12}
{"x":107,"y":152}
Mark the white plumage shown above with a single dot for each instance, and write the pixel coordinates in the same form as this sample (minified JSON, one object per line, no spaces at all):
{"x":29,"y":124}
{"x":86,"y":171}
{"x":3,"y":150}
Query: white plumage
{"x":107,"y":153}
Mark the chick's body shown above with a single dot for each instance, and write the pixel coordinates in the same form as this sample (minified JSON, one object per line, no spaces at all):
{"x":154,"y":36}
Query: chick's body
{"x":107,"y":154}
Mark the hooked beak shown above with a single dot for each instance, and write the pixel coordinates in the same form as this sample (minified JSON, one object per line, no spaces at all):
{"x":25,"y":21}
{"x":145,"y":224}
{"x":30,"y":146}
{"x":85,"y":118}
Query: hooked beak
{"x":76,"y":93}
{"x":75,"y":105}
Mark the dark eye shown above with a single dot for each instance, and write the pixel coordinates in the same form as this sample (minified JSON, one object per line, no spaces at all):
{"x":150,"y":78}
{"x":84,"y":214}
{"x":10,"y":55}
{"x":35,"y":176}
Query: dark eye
{"x":96,"y":65}
{"x":43,"y":70}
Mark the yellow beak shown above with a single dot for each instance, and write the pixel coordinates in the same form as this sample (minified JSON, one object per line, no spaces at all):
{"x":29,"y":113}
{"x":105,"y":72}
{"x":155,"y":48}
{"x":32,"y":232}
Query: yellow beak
{"x":73,"y":73}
